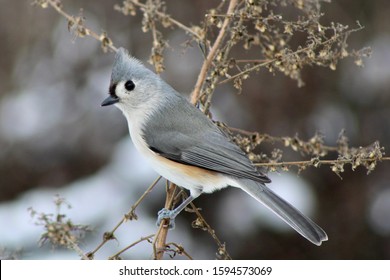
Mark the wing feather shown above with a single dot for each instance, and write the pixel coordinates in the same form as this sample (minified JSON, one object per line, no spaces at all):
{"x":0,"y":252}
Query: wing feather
{"x":196,"y":140}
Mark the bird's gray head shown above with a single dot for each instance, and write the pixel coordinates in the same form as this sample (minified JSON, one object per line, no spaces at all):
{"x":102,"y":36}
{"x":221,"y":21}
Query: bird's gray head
{"x":132,"y":85}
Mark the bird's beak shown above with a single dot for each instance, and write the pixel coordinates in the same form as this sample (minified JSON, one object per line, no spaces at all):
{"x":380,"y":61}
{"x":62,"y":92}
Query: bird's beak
{"x":110,"y":100}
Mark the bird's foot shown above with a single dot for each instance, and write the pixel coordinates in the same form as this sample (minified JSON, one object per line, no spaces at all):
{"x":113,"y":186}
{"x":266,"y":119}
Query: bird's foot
{"x":166,"y":214}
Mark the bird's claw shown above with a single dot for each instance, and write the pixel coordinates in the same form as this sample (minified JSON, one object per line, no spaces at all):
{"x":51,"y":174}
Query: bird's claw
{"x":166,"y":214}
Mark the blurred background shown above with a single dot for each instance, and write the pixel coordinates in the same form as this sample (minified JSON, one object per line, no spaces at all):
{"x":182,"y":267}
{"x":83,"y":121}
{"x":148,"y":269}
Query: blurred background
{"x":56,"y":139}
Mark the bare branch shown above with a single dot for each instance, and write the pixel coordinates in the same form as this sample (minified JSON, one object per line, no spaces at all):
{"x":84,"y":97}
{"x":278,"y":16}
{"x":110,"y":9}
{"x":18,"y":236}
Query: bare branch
{"x":76,"y":25}
{"x":161,"y":236}
{"x":107,"y":236}
{"x":116,"y":256}
{"x":213,"y":51}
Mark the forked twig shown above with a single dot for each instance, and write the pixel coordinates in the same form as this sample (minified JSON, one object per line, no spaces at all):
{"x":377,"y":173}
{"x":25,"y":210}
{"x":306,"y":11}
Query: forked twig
{"x":146,"y":238}
{"x":200,"y":222}
{"x":128,"y":216}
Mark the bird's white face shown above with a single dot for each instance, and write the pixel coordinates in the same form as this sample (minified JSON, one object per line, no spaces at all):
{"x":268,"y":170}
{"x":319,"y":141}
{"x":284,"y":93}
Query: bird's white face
{"x":134,"y":89}
{"x":130,"y":95}
{"x":136,"y":98}
{"x":126,"y":93}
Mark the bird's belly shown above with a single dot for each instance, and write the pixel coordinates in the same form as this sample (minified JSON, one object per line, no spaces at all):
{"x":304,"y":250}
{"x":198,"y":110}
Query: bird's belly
{"x":192,"y":178}
{"x":195,"y":179}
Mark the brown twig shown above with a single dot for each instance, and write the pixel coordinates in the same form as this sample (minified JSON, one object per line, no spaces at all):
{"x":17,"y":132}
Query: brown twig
{"x":299,"y":51}
{"x":179,"y":250}
{"x":130,"y":215}
{"x":161,"y":236}
{"x":73,"y":245}
{"x":116,"y":256}
{"x":316,"y":162}
{"x":269,"y":138}
{"x":74,"y":22}
{"x":213,"y":51}
{"x":200,"y":222}
{"x":172,"y":20}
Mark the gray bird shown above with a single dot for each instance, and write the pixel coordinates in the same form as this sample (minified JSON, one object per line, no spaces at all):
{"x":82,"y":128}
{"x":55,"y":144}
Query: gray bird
{"x":186,"y":147}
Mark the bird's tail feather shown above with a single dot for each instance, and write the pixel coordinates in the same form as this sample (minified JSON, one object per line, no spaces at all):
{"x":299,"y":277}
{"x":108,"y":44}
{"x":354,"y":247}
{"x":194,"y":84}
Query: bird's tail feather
{"x":292,"y":216}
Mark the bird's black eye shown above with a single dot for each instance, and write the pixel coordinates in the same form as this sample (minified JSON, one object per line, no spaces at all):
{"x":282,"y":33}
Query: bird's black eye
{"x":129,"y":85}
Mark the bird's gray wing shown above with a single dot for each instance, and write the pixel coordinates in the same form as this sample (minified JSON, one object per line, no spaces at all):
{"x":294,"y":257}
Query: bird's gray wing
{"x":189,"y":137}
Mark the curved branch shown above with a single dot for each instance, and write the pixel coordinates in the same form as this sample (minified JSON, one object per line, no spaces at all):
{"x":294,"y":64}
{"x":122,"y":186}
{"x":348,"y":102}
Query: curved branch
{"x":206,"y":64}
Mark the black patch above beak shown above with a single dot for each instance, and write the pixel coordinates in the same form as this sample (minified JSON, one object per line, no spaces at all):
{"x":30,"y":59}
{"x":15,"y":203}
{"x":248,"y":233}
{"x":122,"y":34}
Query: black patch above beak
{"x":110,"y":100}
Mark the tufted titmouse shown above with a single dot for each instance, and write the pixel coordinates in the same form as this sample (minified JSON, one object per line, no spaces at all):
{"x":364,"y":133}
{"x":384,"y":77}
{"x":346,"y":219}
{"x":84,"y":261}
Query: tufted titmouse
{"x":186,"y":147}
